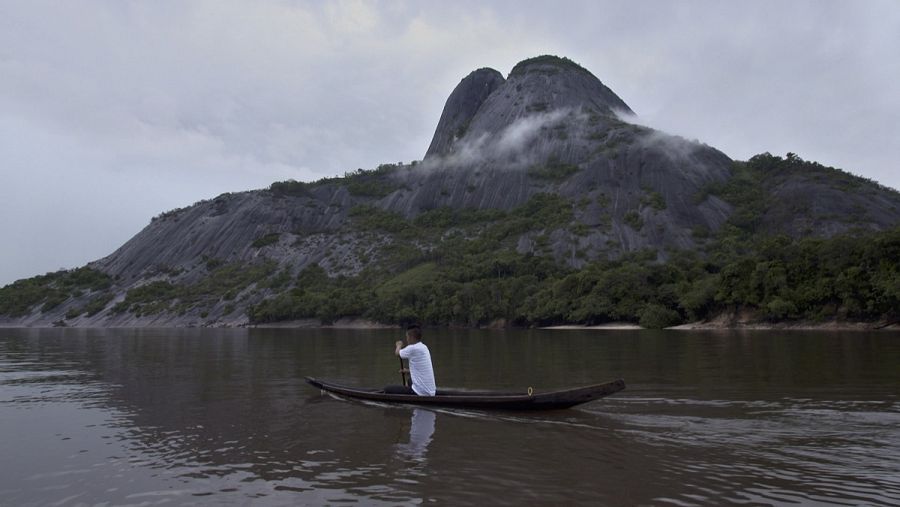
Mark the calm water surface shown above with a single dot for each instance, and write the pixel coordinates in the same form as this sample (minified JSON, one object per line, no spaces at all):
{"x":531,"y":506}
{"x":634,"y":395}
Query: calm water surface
{"x":199,"y":417}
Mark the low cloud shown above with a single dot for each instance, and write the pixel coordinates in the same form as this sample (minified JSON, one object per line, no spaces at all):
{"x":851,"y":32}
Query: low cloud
{"x":513,"y":139}
{"x":676,"y":147}
{"x":508,"y":148}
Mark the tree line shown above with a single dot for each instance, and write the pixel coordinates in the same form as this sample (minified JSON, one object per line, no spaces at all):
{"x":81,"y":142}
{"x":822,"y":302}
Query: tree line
{"x":853,"y":277}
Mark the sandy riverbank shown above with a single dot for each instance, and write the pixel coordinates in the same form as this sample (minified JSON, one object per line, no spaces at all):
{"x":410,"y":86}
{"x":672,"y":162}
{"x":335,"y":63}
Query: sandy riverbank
{"x":612,"y":326}
{"x":344,"y":323}
{"x":788,"y":326}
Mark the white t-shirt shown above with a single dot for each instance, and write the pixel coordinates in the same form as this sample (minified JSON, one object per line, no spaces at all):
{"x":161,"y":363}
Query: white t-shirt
{"x":420,"y":371}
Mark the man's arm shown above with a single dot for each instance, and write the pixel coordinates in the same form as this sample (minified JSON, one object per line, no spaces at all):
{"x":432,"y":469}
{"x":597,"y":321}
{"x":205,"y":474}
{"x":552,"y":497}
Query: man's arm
{"x":397,"y":347}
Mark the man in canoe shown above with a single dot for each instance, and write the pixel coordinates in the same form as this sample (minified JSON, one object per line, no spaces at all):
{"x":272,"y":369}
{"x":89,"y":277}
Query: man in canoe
{"x":421,"y":373}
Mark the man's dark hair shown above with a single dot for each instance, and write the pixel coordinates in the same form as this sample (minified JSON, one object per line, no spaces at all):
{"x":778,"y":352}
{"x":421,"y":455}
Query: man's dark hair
{"x":415,"y":331}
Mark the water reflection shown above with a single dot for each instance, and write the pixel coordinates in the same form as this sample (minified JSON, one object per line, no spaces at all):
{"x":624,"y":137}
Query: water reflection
{"x":421,"y":430}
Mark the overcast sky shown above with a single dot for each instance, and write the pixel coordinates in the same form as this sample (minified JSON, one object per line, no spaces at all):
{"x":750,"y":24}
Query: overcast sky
{"x":114,"y":111}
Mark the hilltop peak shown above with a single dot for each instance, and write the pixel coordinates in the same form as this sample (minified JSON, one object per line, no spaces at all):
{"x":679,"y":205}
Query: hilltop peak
{"x":546,"y":63}
{"x":485,"y":104}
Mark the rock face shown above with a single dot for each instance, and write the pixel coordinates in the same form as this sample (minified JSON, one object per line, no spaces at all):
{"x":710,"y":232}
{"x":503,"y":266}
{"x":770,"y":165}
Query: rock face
{"x":551,"y":128}
{"x":540,"y":85}
{"x":225,"y":229}
{"x":804,"y":204}
{"x":461,"y":106}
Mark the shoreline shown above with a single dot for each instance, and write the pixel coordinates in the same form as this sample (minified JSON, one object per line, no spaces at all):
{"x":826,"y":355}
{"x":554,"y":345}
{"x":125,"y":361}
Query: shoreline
{"x":365,"y":324}
{"x":787,"y":326}
{"x":342,"y":323}
{"x":612,"y":326}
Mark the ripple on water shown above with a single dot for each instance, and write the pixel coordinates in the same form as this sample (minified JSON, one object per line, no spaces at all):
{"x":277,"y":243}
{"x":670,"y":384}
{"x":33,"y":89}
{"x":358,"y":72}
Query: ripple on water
{"x":788,"y":451}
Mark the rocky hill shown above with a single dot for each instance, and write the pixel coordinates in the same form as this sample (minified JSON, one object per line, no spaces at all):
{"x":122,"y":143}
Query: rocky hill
{"x":542,"y":172}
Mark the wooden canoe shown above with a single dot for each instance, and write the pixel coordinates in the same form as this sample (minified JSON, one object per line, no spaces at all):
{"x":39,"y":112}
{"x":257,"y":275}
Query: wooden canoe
{"x":521,"y":400}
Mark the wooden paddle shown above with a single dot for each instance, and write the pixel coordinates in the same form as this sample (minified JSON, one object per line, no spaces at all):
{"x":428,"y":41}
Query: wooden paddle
{"x":402,"y":375}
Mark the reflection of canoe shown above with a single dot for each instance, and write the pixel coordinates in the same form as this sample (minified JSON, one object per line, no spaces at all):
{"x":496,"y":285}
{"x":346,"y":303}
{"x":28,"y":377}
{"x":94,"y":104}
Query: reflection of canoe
{"x":482,"y":399}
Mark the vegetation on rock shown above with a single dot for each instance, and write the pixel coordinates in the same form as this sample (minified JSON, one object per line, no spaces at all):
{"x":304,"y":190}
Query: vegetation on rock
{"x":266,"y":240}
{"x":224,"y":283}
{"x":361,"y":183}
{"x":50,"y":290}
{"x":553,"y":171}
{"x":546,"y":60}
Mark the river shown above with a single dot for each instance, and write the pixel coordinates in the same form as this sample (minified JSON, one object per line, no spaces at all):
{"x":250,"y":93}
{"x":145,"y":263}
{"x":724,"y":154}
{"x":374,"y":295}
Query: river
{"x":203,"y":416}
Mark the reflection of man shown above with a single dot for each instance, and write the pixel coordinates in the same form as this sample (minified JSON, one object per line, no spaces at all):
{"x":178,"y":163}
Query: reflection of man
{"x":420,"y":433}
{"x":421,"y":374}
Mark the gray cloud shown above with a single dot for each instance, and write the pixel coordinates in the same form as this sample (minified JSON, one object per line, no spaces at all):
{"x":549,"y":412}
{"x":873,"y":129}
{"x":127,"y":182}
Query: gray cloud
{"x":111,"y":112}
{"x":508,"y":146}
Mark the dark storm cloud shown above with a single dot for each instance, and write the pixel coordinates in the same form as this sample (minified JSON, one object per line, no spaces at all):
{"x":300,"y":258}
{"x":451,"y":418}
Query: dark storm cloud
{"x":111,"y":111}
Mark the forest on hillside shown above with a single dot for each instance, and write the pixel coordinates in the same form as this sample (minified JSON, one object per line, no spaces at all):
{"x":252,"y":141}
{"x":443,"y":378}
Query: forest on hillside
{"x":849,"y":277}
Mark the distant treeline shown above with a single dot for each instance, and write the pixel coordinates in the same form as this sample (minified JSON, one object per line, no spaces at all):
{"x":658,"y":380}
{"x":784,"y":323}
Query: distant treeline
{"x":852,"y":277}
